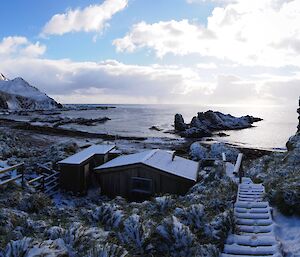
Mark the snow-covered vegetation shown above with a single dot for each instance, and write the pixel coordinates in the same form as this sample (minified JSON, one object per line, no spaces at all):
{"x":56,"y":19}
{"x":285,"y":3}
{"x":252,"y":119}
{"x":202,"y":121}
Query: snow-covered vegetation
{"x":195,"y":224}
{"x":280,"y":173}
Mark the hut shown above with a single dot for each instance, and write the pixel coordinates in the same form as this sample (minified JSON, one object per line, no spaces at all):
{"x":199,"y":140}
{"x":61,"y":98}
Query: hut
{"x":141,"y":175}
{"x":76,"y":170}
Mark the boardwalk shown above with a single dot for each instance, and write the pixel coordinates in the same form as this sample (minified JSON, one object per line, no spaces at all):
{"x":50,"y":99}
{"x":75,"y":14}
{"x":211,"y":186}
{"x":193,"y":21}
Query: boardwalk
{"x":254,"y":235}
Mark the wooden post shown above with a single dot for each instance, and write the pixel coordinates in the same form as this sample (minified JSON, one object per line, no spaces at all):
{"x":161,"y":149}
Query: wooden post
{"x":224,"y":162}
{"x":22,"y":180}
{"x":224,"y":157}
{"x":43,"y":183}
{"x":237,"y":167}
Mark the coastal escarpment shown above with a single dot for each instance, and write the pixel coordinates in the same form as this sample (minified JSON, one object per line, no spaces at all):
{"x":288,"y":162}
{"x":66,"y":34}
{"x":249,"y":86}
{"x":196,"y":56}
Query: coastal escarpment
{"x":298,"y":111}
{"x":205,"y":123}
{"x":280,"y":173}
{"x":18,"y":94}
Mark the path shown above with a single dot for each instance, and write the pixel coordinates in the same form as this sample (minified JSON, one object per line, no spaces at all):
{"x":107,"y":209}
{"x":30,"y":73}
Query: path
{"x":254,"y":235}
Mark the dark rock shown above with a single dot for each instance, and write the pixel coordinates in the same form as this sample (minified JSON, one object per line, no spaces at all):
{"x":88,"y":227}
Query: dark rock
{"x":220,"y":121}
{"x":179,"y":123}
{"x":298,"y":111}
{"x":196,"y":133}
{"x":155,"y":128}
{"x":59,"y":121}
{"x":222,"y":134}
{"x":81,"y":121}
{"x":204,"y":123}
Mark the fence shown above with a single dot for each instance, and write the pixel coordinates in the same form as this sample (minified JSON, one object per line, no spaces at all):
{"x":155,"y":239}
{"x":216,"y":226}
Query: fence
{"x":19,"y":168}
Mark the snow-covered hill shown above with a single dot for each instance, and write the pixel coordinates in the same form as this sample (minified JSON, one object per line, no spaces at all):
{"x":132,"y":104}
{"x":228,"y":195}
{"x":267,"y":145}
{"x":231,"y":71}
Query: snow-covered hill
{"x":18,"y":94}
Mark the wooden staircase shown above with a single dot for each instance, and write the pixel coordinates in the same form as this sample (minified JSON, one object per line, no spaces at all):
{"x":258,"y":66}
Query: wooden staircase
{"x":47,"y":182}
{"x":254,"y":234}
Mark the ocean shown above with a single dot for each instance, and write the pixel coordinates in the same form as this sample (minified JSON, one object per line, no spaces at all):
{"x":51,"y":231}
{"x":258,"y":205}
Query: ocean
{"x":279,"y":122}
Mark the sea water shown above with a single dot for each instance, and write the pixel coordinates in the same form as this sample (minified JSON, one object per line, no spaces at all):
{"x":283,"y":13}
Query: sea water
{"x":279,"y":122}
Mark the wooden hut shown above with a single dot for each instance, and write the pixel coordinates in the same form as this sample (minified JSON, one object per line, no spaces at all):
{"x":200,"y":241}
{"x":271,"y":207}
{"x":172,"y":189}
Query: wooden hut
{"x":138,"y":176}
{"x":76,"y":170}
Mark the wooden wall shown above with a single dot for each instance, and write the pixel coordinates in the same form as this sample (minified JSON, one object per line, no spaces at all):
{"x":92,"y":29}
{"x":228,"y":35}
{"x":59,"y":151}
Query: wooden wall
{"x":72,"y":176}
{"x":117,"y":181}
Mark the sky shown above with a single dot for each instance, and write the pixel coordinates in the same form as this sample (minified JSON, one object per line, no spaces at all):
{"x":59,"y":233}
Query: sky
{"x":208,"y":52}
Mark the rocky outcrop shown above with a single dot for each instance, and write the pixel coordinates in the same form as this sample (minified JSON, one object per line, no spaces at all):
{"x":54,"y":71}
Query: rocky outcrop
{"x":205,"y":123}
{"x":59,"y":121}
{"x":214,"y":151}
{"x":298,"y":110}
{"x":280,"y":173}
{"x":179,"y":123}
{"x":17,"y":94}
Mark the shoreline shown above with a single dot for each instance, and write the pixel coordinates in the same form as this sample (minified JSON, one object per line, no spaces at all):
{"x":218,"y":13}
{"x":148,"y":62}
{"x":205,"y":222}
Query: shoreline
{"x":181,"y":146}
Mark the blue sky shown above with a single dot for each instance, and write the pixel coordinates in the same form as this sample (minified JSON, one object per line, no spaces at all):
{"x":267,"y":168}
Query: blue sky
{"x":150,"y":51}
{"x":33,"y":15}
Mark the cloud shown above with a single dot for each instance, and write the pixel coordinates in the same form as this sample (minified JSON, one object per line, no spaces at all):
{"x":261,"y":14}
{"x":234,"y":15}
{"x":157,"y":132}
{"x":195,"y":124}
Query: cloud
{"x":103,"y":80}
{"x":111,"y":81}
{"x":177,"y":37}
{"x":20,"y":46}
{"x":257,"y":32}
{"x":92,"y":18}
{"x":213,"y":1}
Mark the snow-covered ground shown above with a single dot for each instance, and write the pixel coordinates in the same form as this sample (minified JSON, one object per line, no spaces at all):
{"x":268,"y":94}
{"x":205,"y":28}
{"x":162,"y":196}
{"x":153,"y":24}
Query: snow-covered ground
{"x":288,"y":233}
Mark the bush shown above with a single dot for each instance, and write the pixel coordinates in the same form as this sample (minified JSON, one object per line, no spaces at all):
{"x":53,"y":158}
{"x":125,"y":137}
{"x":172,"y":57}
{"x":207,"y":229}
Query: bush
{"x":108,"y":250}
{"x":109,"y":215}
{"x":34,"y":203}
{"x":176,"y":239}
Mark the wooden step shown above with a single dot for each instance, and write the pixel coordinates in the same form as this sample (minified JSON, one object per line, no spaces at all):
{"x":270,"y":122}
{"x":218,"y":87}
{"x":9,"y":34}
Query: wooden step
{"x":249,"y":250}
{"x":253,"y":240}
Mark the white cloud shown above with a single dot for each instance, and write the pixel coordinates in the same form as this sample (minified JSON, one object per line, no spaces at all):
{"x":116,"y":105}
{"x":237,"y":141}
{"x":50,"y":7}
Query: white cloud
{"x":256,"y":32}
{"x":111,"y":81}
{"x":178,"y":37}
{"x":102,"y":81}
{"x":213,"y":1}
{"x":92,"y":18}
{"x":20,"y":46}
{"x":209,"y":65}
{"x":114,"y":82}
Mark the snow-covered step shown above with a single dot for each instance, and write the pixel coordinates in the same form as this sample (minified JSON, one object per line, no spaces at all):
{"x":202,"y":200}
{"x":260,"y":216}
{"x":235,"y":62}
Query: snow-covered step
{"x":253,"y":240}
{"x":252,"y":215}
{"x":254,"y":225}
{"x":250,"y":193}
{"x":255,"y":229}
{"x":254,"y":222}
{"x":249,"y":204}
{"x":252,"y":210}
{"x":239,"y":255}
{"x":251,"y":199}
{"x":249,"y":250}
{"x":251,"y":188}
{"x":252,"y":185}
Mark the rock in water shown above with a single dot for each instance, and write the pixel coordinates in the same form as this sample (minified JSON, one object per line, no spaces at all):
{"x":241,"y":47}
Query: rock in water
{"x":196,"y":133}
{"x":179,"y":123}
{"x":220,"y":121}
{"x":17,"y":94}
{"x":298,"y":110}
{"x":205,"y":123}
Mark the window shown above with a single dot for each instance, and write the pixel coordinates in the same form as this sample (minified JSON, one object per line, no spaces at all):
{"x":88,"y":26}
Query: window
{"x":141,"y":185}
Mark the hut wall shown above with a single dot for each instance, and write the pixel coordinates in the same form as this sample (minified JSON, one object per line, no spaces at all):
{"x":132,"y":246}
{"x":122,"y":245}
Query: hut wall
{"x":78,"y":177}
{"x":118,"y":181}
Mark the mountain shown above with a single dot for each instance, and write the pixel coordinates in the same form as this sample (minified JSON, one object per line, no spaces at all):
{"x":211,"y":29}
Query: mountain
{"x":17,"y":94}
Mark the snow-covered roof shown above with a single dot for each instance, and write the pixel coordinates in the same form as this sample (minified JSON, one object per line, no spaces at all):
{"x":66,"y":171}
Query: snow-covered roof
{"x":87,"y":153}
{"x":159,"y":159}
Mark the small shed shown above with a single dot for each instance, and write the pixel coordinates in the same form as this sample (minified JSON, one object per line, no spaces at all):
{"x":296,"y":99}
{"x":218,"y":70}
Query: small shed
{"x":75,"y":171}
{"x":138,"y":176}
